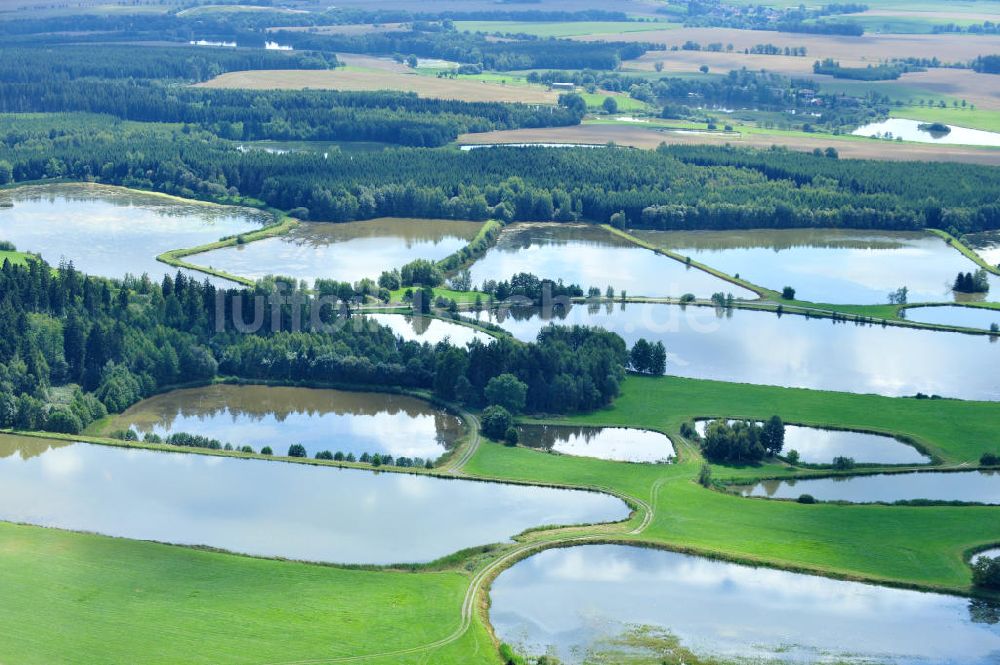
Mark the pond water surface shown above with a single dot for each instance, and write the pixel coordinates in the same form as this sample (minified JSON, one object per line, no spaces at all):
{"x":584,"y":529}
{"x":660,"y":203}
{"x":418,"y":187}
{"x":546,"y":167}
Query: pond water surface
{"x":830,"y":266}
{"x":584,"y":603}
{"x":745,"y":346}
{"x":967,"y":486}
{"x":277,"y":509}
{"x":819,"y":446}
{"x":986,"y":244}
{"x":588,"y":255}
{"x":318,"y":419}
{"x":955,"y":315}
{"x":111,"y":231}
{"x":620,"y":444}
{"x":429,"y":330}
{"x":909,"y":130}
{"x":344,"y":252}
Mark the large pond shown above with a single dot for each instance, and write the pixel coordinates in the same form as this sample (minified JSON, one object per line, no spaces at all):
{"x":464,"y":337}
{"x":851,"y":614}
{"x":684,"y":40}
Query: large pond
{"x":909,"y":130}
{"x":967,"y":486}
{"x":589,"y":256}
{"x":278,"y":509}
{"x":819,"y":446}
{"x":614,"y":603}
{"x":745,"y":346}
{"x":345,"y":252}
{"x":830,"y":266}
{"x":955,"y":315}
{"x":276,"y":416}
{"x":111,"y":231}
{"x":429,"y":330}
{"x":620,"y":444}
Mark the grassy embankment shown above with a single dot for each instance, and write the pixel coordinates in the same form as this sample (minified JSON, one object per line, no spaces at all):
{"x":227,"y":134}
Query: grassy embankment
{"x":175,"y":257}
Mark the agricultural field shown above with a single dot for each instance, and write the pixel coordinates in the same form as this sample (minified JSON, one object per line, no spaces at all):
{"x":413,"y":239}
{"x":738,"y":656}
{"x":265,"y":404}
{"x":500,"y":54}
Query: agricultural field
{"x":639,"y":136}
{"x":569,"y":29}
{"x":855,"y":51}
{"x":362,"y":78}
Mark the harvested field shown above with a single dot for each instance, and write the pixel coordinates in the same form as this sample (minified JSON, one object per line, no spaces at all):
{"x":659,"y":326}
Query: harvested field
{"x":868,"y":48}
{"x":371,"y":79}
{"x":349,"y":29}
{"x":641,"y":137}
{"x":719,"y":63}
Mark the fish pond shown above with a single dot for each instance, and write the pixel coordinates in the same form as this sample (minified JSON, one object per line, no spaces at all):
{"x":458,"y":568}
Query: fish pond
{"x":923,"y":132}
{"x":111,"y":231}
{"x":617,"y":604}
{"x":590,"y":256}
{"x":983,"y":318}
{"x":965,"y":486}
{"x":342,"y":251}
{"x":620,"y":444}
{"x":819,"y":446}
{"x":745,"y":346}
{"x":830,"y":266}
{"x":276,"y":509}
{"x":317,"y":419}
{"x":430,"y":330}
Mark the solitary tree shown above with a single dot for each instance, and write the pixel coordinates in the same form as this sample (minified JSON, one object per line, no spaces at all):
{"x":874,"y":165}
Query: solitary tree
{"x":296,"y":450}
{"x":610,"y":105}
{"x":773,"y":435}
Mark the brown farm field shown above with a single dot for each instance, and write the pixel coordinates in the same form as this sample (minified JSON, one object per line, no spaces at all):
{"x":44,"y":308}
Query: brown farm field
{"x":347,"y":29}
{"x":374,"y":79}
{"x":690,"y":61}
{"x":868,"y":48}
{"x":642,"y":137}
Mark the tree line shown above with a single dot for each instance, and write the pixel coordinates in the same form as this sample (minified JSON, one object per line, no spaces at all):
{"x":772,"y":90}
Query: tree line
{"x":672,"y":187}
{"x":121,"y":341}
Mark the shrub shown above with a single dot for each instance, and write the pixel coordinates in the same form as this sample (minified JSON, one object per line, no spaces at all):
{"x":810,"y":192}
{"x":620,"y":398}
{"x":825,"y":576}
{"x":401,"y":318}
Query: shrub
{"x":990,"y":459}
{"x":296,"y":450}
{"x":788,"y":293}
{"x":510,"y":436}
{"x":792,"y":456}
{"x":324,"y":454}
{"x":843,"y":463}
{"x":986,"y":572}
{"x":705,"y":475}
{"x":266,"y":450}
{"x":806,"y":498}
{"x":495,"y":422}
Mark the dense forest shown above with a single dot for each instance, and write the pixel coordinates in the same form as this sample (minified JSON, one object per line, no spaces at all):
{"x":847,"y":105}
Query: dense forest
{"x":105,"y":79}
{"x":423,"y":39}
{"x":122,"y":341}
{"x":671,"y":187}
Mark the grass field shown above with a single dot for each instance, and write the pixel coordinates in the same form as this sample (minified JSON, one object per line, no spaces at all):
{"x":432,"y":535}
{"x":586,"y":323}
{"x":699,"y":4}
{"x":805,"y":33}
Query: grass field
{"x":561,"y":29}
{"x":355,"y":78}
{"x":962,"y":117}
{"x":99,"y":599}
{"x":17,"y":258}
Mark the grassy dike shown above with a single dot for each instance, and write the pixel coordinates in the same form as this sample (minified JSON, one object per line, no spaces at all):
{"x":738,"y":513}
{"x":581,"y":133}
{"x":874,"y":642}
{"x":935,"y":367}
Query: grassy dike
{"x":175,"y":257}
